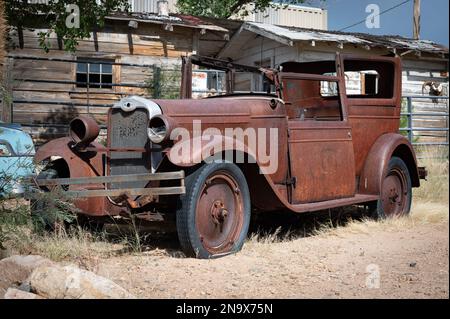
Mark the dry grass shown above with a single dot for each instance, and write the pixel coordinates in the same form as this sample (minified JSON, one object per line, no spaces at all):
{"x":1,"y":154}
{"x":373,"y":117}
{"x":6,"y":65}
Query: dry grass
{"x":76,"y":245}
{"x":422,"y":213}
{"x":430,"y":201}
{"x":436,"y":188}
{"x":430,"y":206}
{"x":270,"y":237}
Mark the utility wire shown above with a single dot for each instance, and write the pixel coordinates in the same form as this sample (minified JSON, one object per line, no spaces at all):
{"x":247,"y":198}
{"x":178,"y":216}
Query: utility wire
{"x":382,"y":12}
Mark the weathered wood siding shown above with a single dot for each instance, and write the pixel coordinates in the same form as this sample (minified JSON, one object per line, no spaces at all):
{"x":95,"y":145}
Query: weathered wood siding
{"x":147,"y":46}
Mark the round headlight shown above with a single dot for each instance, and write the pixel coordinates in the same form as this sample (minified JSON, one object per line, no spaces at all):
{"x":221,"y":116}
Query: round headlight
{"x":158,"y":130}
{"x":83,"y":130}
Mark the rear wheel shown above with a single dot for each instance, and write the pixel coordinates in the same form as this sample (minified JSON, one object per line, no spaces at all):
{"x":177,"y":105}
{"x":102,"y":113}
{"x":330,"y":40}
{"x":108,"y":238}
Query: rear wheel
{"x":396,"y":192}
{"x":214,"y":214}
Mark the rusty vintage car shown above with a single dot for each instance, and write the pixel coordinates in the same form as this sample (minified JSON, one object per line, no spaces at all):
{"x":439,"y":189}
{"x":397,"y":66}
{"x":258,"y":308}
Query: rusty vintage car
{"x":333,"y":147}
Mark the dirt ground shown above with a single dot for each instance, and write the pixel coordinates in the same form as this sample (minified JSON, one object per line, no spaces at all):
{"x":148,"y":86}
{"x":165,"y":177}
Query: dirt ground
{"x":407,"y":258}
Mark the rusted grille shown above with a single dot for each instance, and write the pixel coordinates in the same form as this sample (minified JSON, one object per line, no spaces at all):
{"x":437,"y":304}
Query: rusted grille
{"x":129,"y":129}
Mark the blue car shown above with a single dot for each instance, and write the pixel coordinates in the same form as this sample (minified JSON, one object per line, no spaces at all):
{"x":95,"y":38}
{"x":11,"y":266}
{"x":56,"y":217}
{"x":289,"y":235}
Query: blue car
{"x":16,"y":159}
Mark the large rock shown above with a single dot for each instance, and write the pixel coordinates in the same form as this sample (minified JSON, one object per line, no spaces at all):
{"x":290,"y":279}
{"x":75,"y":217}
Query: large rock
{"x":71,"y":282}
{"x":13,"y":293}
{"x":15,"y":270}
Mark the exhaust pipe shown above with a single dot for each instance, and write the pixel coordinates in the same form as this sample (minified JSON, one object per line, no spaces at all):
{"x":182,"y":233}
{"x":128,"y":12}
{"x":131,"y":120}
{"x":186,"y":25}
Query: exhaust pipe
{"x":83,"y":130}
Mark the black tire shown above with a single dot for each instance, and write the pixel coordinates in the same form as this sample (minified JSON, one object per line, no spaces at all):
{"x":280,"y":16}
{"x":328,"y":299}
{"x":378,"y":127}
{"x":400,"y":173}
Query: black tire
{"x":222,"y":229}
{"x":396,"y":192}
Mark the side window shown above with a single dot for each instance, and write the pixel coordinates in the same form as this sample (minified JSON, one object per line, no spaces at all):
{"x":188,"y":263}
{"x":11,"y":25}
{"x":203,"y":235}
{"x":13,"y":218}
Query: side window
{"x":312,"y":100}
{"x":328,"y":88}
{"x":363,"y":83}
{"x":4,"y":150}
{"x":369,"y":79}
{"x":208,"y":82}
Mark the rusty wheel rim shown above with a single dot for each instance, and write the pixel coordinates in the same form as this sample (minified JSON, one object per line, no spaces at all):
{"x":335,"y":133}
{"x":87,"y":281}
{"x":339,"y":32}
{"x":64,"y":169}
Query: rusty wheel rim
{"x":394,"y":195}
{"x":219,"y":213}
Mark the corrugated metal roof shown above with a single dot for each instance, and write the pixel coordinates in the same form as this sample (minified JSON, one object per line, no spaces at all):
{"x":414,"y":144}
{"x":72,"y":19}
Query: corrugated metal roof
{"x":289,"y":35}
{"x":174,"y":19}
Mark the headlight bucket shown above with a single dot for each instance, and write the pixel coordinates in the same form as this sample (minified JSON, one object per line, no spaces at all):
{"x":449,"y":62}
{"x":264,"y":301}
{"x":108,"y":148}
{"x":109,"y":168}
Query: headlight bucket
{"x":83,"y":130}
{"x":160,"y":128}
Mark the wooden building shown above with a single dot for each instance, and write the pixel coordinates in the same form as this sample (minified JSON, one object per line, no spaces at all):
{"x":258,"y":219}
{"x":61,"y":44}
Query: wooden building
{"x":132,"y":54}
{"x":140,"y":54}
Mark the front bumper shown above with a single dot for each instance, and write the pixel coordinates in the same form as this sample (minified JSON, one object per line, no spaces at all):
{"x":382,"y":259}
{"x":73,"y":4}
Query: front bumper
{"x":79,"y":187}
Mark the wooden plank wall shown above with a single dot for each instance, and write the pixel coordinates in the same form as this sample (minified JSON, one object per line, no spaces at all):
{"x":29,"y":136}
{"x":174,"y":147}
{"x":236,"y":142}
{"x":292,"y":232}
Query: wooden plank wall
{"x":146,"y":46}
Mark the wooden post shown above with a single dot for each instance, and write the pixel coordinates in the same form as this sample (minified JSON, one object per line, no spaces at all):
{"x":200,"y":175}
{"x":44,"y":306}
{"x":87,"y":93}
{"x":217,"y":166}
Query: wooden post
{"x":416,"y":21}
{"x":7,"y":94}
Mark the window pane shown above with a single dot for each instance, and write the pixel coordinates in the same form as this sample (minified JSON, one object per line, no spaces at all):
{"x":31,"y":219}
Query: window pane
{"x":81,"y":80}
{"x":328,"y":88}
{"x":312,"y":100}
{"x":94,"y":68}
{"x":106,"y":68}
{"x":108,"y":80}
{"x":81,"y":67}
{"x":94,"y":80}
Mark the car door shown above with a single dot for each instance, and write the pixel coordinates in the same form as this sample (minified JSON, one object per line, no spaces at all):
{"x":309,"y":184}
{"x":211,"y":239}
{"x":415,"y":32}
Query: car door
{"x":322,"y":164}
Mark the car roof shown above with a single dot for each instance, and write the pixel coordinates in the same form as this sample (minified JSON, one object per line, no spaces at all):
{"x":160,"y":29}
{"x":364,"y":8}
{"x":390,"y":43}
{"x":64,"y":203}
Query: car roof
{"x":19,"y":140}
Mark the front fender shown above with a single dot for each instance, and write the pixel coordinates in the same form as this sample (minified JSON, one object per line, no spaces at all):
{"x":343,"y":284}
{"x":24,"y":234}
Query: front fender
{"x":377,"y":161}
{"x":83,"y":164}
{"x":190,"y":152}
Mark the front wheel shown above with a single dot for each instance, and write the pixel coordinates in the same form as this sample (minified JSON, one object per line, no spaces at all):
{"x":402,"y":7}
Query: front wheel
{"x":214,"y":215}
{"x":396,"y":192}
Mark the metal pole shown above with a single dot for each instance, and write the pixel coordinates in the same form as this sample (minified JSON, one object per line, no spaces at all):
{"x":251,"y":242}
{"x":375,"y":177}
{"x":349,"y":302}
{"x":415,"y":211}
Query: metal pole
{"x":410,"y":121}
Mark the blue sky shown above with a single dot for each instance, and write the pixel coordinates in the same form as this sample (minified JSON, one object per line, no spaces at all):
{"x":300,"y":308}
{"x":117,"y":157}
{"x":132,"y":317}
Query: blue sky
{"x":434,"y":19}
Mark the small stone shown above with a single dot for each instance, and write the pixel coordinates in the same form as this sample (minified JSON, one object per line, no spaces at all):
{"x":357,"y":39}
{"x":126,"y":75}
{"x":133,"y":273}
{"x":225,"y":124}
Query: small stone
{"x":15,"y":270}
{"x":413,"y":264}
{"x":71,"y":282}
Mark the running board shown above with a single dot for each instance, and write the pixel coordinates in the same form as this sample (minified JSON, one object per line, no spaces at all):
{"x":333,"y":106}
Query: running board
{"x":312,"y":207}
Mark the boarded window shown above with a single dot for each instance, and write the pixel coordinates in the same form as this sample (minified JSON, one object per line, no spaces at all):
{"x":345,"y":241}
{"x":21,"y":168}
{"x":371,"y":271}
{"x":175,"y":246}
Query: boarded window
{"x":98,"y":73}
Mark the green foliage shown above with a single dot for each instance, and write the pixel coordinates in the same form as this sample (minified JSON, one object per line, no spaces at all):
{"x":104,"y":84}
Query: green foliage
{"x":226,"y":8}
{"x":17,"y":216}
{"x":51,"y":208}
{"x":165,"y":83}
{"x":54,"y":15}
{"x":13,"y":215}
